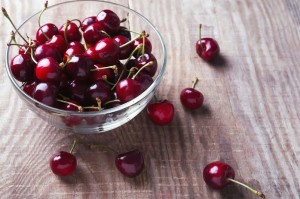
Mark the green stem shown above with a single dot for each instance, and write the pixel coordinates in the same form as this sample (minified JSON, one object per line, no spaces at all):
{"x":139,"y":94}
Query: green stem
{"x":195,"y":82}
{"x":200,"y":30}
{"x":73,"y":145}
{"x":7,"y":16}
{"x":146,"y":65}
{"x":80,"y":109}
{"x":65,"y":30}
{"x":39,"y":20}
{"x":258,"y":193}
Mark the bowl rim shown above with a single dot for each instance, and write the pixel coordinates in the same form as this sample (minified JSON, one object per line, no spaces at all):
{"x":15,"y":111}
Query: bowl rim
{"x":124,"y":106}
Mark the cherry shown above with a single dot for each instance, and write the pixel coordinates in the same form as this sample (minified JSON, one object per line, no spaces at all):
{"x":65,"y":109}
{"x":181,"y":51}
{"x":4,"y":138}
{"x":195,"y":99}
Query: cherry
{"x":126,"y":50}
{"x":22,"y":67}
{"x":124,"y":32}
{"x":191,"y":98}
{"x":78,"y":67}
{"x":130,"y":163}
{"x":48,"y":29}
{"x":46,"y":50}
{"x":144,"y":59}
{"x":207,"y":48}
{"x":145,"y":80}
{"x":109,"y":20}
{"x":29,"y":87}
{"x":73,"y":50}
{"x":128,"y":89}
{"x":147,"y":47}
{"x":72,"y":32}
{"x":63,"y":163}
{"x":76,"y":44}
{"x":93,"y":33}
{"x":88,"y":21}
{"x":99,"y":90}
{"x":45,"y":92}
{"x":100,"y":72}
{"x":218,"y":175}
{"x":77,"y":90}
{"x":48,"y":70}
{"x":58,"y":42}
{"x":161,"y":112}
{"x":105,"y":52}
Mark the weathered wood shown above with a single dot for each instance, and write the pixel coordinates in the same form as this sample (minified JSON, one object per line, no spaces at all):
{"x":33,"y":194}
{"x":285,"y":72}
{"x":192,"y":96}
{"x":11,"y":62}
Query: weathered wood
{"x":250,"y":117}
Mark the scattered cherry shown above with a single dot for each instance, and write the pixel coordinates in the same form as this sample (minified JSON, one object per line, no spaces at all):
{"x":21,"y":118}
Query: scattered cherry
{"x":161,"y":112}
{"x":191,"y":98}
{"x":207,"y":48}
{"x":219,"y":174}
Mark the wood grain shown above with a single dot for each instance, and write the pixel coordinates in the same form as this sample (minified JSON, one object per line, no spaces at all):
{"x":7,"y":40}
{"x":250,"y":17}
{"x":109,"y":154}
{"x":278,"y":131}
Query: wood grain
{"x":250,"y":117}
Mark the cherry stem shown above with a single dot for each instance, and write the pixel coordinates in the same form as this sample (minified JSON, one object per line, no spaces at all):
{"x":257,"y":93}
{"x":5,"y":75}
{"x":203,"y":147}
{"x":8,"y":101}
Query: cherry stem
{"x":65,"y":30}
{"x":143,"y":49}
{"x":31,"y":54}
{"x":131,"y":71}
{"x":106,"y":34}
{"x":114,"y":67}
{"x":39,"y":20}
{"x":131,"y":41}
{"x":104,"y":78}
{"x":200,"y":30}
{"x":97,"y":146}
{"x":258,"y":193}
{"x":80,"y":109}
{"x":77,"y":20}
{"x":146,"y":65}
{"x":195,"y":82}
{"x":9,"y":19}
{"x":111,"y":101}
{"x":73,"y":145}
{"x":98,"y":107}
{"x":123,"y":20}
{"x":123,"y":28}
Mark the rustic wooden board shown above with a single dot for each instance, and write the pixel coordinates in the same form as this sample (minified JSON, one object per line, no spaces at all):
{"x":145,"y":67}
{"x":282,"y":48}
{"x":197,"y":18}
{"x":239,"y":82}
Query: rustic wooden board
{"x":250,"y":117}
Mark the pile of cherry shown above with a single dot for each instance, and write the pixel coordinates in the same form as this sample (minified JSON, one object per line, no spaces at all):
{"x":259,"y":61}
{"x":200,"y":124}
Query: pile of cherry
{"x":107,"y":70}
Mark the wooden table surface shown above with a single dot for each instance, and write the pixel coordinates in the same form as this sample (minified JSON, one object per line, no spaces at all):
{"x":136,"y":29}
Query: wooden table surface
{"x":250,"y":117}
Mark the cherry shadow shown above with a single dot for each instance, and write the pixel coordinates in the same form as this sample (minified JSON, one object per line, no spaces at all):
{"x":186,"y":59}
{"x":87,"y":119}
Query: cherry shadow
{"x":219,"y":62}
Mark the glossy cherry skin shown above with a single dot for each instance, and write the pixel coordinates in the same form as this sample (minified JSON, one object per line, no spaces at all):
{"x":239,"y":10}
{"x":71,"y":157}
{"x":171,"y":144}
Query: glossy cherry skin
{"x":46,"y":50}
{"x":45,"y":93}
{"x":22,"y":67}
{"x":63,"y":163}
{"x":191,"y":98}
{"x":73,"y":50}
{"x":126,"y":50}
{"x":207,"y":48}
{"x":97,"y":75}
{"x":144,"y":59}
{"x":29,"y":87}
{"x":101,"y":91}
{"x":130,"y":163}
{"x":48,"y":70}
{"x":161,"y":112}
{"x":72,"y":32}
{"x":144,"y":79}
{"x":76,"y":44}
{"x":148,"y":46}
{"x":105,"y":52}
{"x":216,"y":174}
{"x":58,"y":42}
{"x":49,"y":29}
{"x":79,"y":67}
{"x":88,"y":21}
{"x":128,"y":89}
{"x":109,"y":20}
{"x":93,"y":33}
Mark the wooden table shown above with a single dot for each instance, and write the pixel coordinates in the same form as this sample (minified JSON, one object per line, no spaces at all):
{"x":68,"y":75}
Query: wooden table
{"x":250,"y":117}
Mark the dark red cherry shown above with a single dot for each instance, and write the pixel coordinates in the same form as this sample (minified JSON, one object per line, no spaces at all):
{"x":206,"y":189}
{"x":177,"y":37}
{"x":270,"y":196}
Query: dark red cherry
{"x":73,"y":50}
{"x":63,"y":163}
{"x":100,"y":72}
{"x":207,"y":48}
{"x":144,"y":59}
{"x":78,"y":67}
{"x":58,"y":42}
{"x":109,"y":20}
{"x":128,"y":89}
{"x":88,"y":21}
{"x":22,"y":67}
{"x":76,"y":44}
{"x":147,"y":48}
{"x":46,"y":50}
{"x":46,"y":93}
{"x":144,"y":79}
{"x":72,"y":32}
{"x":106,"y":52}
{"x":126,"y":50}
{"x":48,"y":70}
{"x":49,"y":29}
{"x":101,"y":91}
{"x":77,"y":91}
{"x":216,"y":174}
{"x":130,"y":163}
{"x":191,"y":98}
{"x":29,"y":87}
{"x":161,"y":112}
{"x":93,"y":33}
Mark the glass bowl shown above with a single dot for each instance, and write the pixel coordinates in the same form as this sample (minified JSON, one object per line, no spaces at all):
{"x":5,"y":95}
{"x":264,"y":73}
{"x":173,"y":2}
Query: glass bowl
{"x":106,"y":119}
